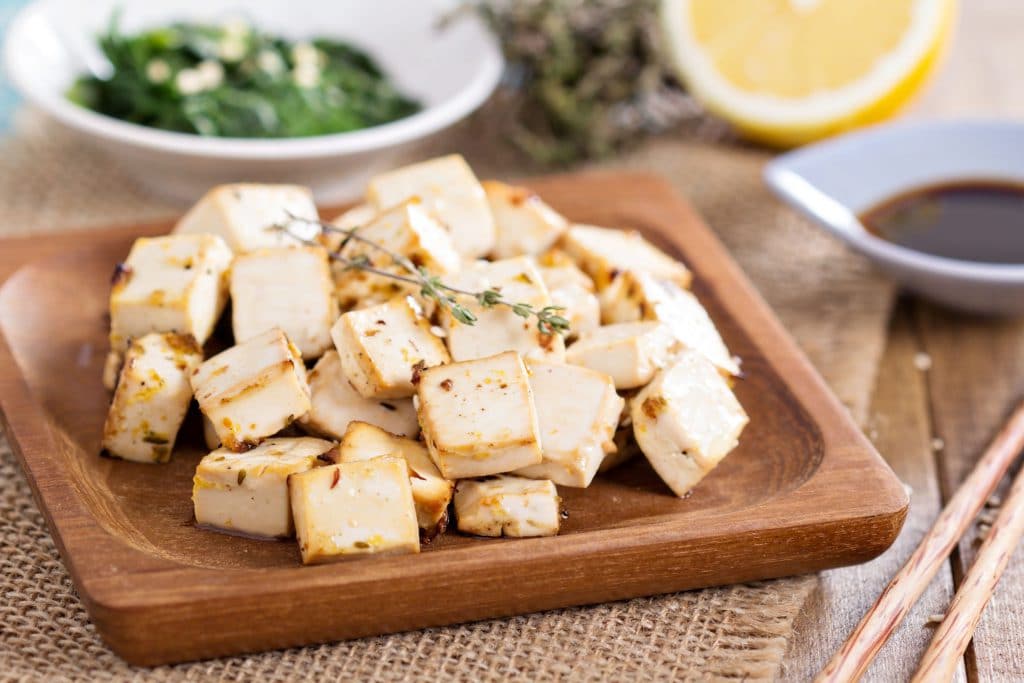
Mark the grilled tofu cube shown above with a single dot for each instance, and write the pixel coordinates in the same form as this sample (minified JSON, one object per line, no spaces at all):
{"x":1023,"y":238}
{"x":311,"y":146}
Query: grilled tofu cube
{"x":626,"y":447}
{"x":382,"y":346}
{"x":286,"y":287}
{"x":578,"y":411}
{"x":242,"y":213}
{"x":573,"y":291}
{"x":603,"y":253}
{"x":431,"y":492}
{"x":252,"y":390}
{"x":247,"y":493}
{"x":354,"y":508}
{"x":450,"y":191}
{"x":525,"y":224}
{"x":112,"y":369}
{"x":175,"y":283}
{"x":410,"y":230}
{"x":358,"y":216}
{"x":336,"y":404}
{"x":478,"y":416}
{"x":638,"y":296}
{"x":555,"y":257}
{"x":407,"y":229}
{"x":152,"y":397}
{"x":210,"y":437}
{"x":499,"y":329}
{"x":630,"y":353}
{"x":686,"y":420}
{"x":507,"y":506}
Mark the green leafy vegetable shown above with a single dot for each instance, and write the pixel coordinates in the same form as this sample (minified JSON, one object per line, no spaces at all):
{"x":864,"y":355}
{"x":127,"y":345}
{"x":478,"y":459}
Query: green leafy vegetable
{"x":232,"y":80}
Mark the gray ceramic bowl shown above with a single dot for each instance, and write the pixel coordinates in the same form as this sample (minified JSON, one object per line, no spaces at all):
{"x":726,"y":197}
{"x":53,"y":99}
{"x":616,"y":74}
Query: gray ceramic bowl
{"x":835,"y":181}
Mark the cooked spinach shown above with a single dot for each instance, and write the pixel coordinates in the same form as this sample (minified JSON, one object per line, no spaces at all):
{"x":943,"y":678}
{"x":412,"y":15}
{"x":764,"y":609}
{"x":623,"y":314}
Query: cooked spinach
{"x":233,"y":80}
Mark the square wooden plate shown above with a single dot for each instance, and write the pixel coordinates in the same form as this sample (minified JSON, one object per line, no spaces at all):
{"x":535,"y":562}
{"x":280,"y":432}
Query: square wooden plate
{"x":804,"y":491}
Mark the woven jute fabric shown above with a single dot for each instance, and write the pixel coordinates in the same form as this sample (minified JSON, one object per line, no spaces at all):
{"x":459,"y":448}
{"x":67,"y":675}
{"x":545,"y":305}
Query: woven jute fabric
{"x":827,"y":298}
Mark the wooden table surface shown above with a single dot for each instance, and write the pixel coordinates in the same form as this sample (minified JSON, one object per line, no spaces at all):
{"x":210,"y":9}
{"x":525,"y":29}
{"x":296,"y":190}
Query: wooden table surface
{"x":932,"y":424}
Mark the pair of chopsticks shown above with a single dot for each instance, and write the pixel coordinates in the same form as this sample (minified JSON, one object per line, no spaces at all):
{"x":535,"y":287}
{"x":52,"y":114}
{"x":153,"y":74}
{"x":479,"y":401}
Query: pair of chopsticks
{"x":954,"y":633}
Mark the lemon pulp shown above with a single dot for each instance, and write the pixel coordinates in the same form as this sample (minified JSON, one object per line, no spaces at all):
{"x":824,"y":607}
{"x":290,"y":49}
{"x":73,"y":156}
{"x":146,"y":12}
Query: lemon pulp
{"x":790,"y":71}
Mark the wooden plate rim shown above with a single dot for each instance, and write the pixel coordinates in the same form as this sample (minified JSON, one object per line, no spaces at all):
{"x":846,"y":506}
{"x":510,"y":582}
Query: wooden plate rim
{"x":94,"y":556}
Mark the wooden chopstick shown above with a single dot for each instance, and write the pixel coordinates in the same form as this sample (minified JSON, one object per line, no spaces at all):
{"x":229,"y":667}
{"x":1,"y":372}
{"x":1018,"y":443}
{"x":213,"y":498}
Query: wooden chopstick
{"x":874,"y":629}
{"x":954,"y":633}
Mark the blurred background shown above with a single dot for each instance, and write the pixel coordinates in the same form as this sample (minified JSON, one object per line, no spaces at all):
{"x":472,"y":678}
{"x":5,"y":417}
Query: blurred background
{"x":965,"y":84}
{"x":584,"y":80}
{"x":8,"y":98}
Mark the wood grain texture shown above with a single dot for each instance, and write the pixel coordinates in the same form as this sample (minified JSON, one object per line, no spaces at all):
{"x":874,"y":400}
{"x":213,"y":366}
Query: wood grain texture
{"x":976,"y":377}
{"x":955,"y":632}
{"x":903,"y":591}
{"x":789,"y":500}
{"x":978,"y":77}
{"x":899,"y":425}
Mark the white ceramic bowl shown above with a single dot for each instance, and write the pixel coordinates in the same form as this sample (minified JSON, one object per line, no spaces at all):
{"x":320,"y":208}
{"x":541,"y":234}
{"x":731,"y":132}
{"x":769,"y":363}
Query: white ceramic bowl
{"x":835,"y":181}
{"x":452,"y":71}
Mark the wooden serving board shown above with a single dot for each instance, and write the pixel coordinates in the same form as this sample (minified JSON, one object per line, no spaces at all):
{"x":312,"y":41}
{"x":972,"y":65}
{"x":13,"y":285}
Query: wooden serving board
{"x":804,"y":491}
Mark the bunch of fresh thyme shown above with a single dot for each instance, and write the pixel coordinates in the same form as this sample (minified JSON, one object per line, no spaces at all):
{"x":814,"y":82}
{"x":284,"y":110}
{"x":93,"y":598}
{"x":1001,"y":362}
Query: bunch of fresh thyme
{"x":589,"y":75}
{"x":549,"y":320}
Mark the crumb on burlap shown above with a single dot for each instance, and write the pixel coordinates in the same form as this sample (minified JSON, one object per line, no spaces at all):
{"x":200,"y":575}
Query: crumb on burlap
{"x":922,"y":361}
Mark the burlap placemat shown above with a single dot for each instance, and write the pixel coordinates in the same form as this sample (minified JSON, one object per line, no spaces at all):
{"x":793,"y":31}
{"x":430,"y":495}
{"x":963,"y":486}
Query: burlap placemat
{"x":827,"y":297}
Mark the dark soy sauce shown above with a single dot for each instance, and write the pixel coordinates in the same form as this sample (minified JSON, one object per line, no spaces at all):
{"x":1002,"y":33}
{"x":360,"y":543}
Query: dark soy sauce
{"x":972,"y":220}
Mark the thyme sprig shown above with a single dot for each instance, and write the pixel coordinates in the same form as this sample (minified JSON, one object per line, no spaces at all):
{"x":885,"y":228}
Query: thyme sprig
{"x":549,"y":320}
{"x":584,"y":78}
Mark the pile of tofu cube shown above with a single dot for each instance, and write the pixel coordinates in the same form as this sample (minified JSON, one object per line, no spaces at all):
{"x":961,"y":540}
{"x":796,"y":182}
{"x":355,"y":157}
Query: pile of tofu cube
{"x":353,"y":413}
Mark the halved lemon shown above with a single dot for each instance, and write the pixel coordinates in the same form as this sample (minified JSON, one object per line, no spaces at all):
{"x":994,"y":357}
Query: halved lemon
{"x":786,"y":72}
